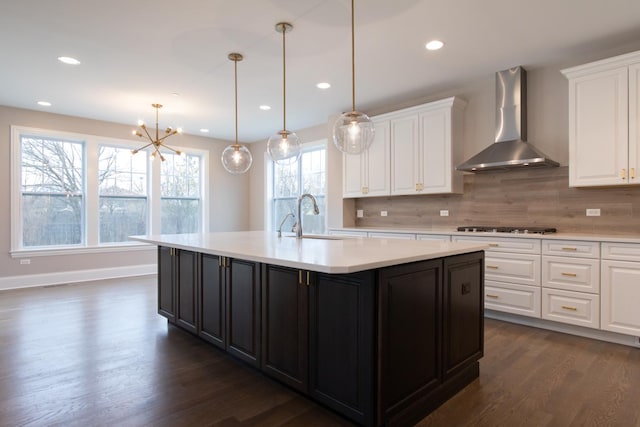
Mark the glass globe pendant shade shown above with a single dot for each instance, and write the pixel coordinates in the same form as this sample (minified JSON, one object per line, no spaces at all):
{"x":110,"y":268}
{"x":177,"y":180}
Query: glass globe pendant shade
{"x":236,"y":159}
{"x":353,"y":132}
{"x":284,"y":147}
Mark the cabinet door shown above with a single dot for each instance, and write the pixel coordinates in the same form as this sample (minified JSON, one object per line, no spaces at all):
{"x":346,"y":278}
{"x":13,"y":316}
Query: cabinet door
{"x":186,"y":312}
{"x":353,"y":184}
{"x":463,"y":317}
{"x":409,"y":334}
{"x":435,"y":151}
{"x":598,"y":129}
{"x":212,"y":298}
{"x":620,"y":293}
{"x":285,"y":325}
{"x":243,"y":310}
{"x":166,"y":282}
{"x":404,"y":155}
{"x":634,"y":123}
{"x":378,"y":165}
{"x":341,"y":343}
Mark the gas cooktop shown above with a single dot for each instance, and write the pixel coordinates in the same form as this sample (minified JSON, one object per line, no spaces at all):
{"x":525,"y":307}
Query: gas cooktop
{"x":513,"y":230}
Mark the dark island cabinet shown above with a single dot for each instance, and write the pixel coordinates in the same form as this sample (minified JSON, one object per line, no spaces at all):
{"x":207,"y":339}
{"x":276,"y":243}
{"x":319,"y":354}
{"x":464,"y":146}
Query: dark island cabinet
{"x":177,"y":286}
{"x":212,"y":297}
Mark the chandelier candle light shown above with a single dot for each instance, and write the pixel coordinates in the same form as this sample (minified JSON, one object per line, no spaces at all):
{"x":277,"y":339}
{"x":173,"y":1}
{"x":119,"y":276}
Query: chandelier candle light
{"x":236,"y":158}
{"x":157,"y":142}
{"x":353,"y":132}
{"x":284,"y":147}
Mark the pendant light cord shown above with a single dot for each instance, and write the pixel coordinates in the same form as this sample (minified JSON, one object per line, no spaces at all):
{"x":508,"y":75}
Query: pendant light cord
{"x":353,"y":60}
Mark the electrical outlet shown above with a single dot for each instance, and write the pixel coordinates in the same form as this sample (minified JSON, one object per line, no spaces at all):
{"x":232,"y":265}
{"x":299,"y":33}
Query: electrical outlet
{"x":593,"y":212}
{"x":383,"y":213}
{"x":444,"y":212}
{"x":360,"y":213}
{"x":25,"y":261}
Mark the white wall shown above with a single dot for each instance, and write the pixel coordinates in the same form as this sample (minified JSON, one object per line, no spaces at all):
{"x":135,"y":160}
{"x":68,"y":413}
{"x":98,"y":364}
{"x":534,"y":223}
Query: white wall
{"x":229,"y":200}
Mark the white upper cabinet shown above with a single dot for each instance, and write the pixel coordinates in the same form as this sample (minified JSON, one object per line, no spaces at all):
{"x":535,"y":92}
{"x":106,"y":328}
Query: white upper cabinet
{"x":368,"y":174}
{"x":604,"y":114}
{"x":415,"y":152}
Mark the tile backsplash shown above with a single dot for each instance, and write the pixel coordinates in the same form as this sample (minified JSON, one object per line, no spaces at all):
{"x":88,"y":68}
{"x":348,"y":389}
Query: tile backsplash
{"x":531,"y":197}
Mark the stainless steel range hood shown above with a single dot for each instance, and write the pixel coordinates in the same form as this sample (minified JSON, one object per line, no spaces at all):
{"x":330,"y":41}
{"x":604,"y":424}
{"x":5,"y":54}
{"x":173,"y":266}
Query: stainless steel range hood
{"x":510,"y":149}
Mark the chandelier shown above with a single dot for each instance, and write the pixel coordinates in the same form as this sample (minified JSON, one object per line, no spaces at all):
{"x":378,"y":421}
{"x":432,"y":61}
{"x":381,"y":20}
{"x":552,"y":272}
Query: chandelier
{"x":157,"y":142}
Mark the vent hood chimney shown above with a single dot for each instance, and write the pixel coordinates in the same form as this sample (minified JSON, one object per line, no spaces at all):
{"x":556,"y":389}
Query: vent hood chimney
{"x":510,"y":149}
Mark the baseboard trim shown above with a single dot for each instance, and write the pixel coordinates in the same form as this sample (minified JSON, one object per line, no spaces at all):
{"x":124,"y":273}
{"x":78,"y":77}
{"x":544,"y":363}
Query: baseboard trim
{"x":597,"y":334}
{"x":64,"y":277}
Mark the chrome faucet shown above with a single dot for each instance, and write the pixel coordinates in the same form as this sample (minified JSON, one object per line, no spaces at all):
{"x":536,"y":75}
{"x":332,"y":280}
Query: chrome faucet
{"x":290,"y":214}
{"x":316,"y":211}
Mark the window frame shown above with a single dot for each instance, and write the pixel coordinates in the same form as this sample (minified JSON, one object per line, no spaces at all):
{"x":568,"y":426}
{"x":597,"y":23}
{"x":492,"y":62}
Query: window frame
{"x":91,"y":226}
{"x":272,"y":222}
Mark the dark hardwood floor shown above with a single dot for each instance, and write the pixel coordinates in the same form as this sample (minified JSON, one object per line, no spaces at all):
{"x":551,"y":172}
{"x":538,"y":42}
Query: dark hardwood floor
{"x":97,"y":354}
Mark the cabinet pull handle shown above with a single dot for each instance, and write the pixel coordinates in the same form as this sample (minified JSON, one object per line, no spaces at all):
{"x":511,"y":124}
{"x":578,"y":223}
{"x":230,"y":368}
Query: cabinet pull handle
{"x":569,"y":274}
{"x":633,"y":173}
{"x":492,"y":296}
{"x":624,"y":174}
{"x":495,"y":267}
{"x":566,"y":307}
{"x":569,"y":249}
{"x":308,"y":278}
{"x":493,"y":245}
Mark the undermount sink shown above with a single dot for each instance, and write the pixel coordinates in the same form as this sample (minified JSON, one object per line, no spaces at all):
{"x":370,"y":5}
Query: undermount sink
{"x":320,"y":237}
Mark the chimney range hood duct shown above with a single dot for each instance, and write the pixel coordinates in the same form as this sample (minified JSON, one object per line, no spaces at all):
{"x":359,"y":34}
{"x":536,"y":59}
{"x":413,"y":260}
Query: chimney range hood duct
{"x":510,"y":149}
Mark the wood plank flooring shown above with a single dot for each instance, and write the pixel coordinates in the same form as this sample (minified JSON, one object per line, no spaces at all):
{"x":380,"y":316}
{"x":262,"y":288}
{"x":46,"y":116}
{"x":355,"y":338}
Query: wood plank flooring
{"x":97,"y":354}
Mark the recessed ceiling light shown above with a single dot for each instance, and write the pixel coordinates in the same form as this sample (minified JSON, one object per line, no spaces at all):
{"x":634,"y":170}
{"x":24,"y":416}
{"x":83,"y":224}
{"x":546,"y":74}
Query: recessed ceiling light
{"x":323,"y":85}
{"x":68,"y":60}
{"x":265,"y":107}
{"x":434,"y":45}
{"x":44,"y":103}
{"x":203,"y":130}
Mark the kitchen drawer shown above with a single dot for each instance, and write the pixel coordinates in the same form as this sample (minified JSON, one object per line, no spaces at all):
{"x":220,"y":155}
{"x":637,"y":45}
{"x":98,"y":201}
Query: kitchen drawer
{"x":621,"y":251}
{"x":575,"y":308}
{"x":571,"y":274}
{"x":571,"y":248}
{"x":523,"y":269}
{"x":384,"y":235}
{"x":504,"y":244}
{"x":511,"y":298}
{"x":436,"y":237}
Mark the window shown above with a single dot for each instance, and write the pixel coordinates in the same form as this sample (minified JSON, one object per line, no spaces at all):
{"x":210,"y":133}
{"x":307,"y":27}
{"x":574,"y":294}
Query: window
{"x":71,"y":192}
{"x":307,"y":175}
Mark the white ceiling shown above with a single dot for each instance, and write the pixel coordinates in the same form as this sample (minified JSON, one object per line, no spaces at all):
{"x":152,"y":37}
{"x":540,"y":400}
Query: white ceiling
{"x":137,"y":52}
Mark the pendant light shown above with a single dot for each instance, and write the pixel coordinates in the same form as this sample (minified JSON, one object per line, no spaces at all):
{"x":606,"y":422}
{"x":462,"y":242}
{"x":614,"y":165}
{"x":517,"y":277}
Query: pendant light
{"x":353,"y":132}
{"x":284,"y":146}
{"x":236,"y":158}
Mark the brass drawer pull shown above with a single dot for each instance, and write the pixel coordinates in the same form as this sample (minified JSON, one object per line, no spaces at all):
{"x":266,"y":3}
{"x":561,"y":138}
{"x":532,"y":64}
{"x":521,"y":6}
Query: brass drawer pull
{"x":566,"y":307}
{"x":569,"y":274}
{"x":495,"y":267}
{"x":492,"y":296}
{"x":569,"y":249}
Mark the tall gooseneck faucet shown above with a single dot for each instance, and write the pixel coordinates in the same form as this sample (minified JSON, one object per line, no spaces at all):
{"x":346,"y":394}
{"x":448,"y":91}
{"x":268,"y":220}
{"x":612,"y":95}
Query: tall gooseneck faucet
{"x":316,"y":211}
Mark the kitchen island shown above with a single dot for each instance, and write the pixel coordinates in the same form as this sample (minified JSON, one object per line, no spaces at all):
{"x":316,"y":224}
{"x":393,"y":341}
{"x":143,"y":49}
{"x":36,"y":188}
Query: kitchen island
{"x":381,"y":331}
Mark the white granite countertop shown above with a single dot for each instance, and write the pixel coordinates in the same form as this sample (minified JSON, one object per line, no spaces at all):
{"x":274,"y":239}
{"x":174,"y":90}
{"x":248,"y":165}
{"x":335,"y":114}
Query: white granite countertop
{"x":632,"y":237}
{"x":335,"y":254}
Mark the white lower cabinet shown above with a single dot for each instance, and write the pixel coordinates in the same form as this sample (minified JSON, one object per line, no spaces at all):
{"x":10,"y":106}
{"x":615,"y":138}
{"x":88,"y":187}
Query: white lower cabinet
{"x":621,"y":297}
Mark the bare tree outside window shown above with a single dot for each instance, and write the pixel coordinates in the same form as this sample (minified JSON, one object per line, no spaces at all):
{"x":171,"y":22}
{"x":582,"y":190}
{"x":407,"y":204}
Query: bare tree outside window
{"x":52,"y":175}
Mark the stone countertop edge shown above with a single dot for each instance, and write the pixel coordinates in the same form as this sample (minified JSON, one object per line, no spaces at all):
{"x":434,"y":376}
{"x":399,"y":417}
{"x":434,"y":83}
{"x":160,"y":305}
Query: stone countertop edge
{"x":592,"y":237}
{"x":333,"y":256}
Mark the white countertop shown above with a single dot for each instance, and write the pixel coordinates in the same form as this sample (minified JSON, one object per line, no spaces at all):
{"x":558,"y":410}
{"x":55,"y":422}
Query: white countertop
{"x":591,"y":237}
{"x":336,"y":256}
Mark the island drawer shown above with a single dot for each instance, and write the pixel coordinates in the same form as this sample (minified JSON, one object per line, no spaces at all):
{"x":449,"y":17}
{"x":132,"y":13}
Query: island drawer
{"x":504,"y":244}
{"x":575,"y":308}
{"x":522,"y":269}
{"x":571,"y":274}
{"x":572,"y":248}
{"x":511,"y":298}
